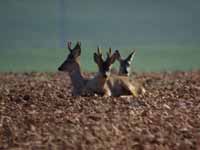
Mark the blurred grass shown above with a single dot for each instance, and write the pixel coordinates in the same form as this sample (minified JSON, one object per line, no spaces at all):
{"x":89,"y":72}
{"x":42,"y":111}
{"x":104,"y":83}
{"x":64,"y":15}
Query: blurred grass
{"x":147,"y":59}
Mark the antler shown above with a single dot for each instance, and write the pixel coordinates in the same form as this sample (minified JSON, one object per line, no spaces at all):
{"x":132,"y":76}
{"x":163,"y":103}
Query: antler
{"x":99,"y":53}
{"x":98,"y":56}
{"x":109,"y":53}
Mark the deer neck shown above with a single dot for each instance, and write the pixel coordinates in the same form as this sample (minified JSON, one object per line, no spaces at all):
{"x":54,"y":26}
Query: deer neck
{"x":121,"y":69}
{"x":100,"y":80}
{"x":77,"y":79}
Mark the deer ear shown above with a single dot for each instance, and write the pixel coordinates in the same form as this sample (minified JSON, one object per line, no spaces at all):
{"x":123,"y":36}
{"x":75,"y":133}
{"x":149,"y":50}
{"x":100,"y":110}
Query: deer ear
{"x":77,"y":50}
{"x":69,"y":44}
{"x":79,"y":43}
{"x":117,"y":53}
{"x":130,"y":57}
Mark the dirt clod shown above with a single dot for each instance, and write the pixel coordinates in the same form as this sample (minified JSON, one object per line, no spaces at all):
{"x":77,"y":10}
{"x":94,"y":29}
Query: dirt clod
{"x":37,"y":111}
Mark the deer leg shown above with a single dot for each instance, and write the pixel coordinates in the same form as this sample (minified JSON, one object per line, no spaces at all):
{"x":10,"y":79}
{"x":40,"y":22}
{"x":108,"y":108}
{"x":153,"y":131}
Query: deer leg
{"x":132,"y":89}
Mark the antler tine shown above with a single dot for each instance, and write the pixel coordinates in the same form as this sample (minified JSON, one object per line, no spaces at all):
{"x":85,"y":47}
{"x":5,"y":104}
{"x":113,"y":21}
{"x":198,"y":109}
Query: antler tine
{"x":99,"y":51}
{"x":110,"y":52}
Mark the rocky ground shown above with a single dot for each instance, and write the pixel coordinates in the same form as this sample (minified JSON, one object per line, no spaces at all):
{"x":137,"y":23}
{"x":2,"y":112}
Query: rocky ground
{"x":37,"y":112}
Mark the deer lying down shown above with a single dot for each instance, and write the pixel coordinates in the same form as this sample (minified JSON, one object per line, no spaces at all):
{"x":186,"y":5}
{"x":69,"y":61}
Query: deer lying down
{"x":98,"y":83}
{"x":117,"y":84}
{"x":124,"y":72}
{"x":102,"y":83}
{"x":84,"y":86}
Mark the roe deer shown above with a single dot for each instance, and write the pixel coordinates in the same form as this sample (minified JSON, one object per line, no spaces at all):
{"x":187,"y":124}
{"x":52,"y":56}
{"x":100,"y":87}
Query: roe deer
{"x":121,"y":85}
{"x":81,"y":85}
{"x":125,"y":63}
{"x":98,"y":83}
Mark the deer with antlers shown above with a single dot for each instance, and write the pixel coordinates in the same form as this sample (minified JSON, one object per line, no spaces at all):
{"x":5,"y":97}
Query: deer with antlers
{"x":85,"y":86}
{"x":102,"y":83}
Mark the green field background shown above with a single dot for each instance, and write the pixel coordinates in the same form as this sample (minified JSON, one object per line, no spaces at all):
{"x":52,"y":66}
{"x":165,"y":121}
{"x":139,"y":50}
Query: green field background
{"x":33,"y":33}
{"x":146,"y":59}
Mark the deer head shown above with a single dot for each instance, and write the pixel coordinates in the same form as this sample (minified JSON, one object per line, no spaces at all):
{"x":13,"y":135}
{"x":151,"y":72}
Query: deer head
{"x":104,"y":66}
{"x":125,"y":64}
{"x":73,"y":58}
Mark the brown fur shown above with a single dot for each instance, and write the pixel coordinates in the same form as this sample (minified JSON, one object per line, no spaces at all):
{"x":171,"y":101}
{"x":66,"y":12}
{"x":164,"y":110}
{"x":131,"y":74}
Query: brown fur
{"x":102,"y":83}
{"x":121,"y":84}
{"x":84,"y":86}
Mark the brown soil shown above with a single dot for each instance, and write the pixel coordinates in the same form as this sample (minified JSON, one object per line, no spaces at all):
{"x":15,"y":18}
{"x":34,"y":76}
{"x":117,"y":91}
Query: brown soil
{"x":38,"y":112}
